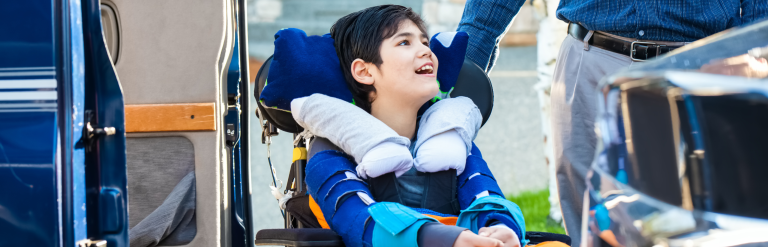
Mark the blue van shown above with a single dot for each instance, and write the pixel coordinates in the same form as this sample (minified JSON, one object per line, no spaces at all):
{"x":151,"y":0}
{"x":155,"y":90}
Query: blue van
{"x":120,"y":116}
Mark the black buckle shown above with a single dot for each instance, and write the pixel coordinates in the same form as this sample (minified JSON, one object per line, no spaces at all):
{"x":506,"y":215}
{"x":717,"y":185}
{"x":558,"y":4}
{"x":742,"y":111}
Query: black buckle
{"x":633,"y":50}
{"x":658,"y":50}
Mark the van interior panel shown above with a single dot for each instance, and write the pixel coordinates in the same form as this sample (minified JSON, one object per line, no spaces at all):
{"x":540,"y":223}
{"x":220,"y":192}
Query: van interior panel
{"x":170,"y":55}
{"x":170,"y":117}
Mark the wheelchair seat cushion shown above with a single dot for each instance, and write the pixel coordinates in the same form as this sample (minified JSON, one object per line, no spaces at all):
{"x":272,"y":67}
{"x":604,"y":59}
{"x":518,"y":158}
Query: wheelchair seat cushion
{"x":303,"y":65}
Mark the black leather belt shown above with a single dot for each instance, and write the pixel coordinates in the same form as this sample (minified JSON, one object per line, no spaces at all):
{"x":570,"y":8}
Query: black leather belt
{"x":636,"y":50}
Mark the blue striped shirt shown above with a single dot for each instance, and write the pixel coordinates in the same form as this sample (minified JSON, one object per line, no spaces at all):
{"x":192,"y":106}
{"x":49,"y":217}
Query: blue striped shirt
{"x":662,"y":20}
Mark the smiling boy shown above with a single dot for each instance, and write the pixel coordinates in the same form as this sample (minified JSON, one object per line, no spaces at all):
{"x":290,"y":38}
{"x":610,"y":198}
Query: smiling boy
{"x":387,"y":63}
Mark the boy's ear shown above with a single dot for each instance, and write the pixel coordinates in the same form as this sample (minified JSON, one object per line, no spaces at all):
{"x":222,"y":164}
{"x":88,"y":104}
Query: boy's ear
{"x":361,"y":73}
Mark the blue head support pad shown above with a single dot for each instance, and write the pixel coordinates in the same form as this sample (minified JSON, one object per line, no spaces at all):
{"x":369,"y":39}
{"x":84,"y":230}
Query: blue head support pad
{"x":303,"y":65}
{"x":450,"y":49}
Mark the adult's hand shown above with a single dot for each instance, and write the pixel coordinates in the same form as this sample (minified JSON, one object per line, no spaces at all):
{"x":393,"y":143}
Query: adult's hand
{"x":503,"y":234}
{"x":469,"y":239}
{"x":742,"y":65}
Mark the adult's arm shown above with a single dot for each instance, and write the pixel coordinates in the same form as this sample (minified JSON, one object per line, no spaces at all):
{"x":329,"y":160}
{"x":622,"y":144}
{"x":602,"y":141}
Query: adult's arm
{"x":486,"y":21}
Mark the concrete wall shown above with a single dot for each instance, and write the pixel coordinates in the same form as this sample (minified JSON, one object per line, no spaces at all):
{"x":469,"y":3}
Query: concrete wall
{"x":315,"y":17}
{"x":266,"y":17}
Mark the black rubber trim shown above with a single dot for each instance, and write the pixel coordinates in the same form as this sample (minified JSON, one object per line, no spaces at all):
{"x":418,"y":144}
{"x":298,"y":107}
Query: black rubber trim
{"x":540,"y":237}
{"x":280,"y":242}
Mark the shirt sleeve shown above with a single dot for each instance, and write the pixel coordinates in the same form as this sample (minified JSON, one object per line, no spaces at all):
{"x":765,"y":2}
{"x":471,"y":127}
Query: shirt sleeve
{"x":438,"y":235}
{"x":753,"y":10}
{"x":485,"y":21}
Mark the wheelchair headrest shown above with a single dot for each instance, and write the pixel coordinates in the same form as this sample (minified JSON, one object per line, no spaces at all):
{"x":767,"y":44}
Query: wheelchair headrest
{"x":319,"y":73}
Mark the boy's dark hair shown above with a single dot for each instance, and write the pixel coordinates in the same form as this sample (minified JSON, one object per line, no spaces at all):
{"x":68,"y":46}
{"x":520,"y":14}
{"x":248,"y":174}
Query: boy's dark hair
{"x":359,"y":35}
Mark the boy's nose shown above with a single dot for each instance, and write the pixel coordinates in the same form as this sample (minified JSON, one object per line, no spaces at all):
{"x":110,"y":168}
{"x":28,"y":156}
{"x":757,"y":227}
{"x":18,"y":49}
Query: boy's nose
{"x":425,"y":53}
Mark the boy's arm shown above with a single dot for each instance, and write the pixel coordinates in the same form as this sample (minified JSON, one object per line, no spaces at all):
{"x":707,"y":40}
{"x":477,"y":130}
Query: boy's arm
{"x":375,"y":147}
{"x":345,"y":202}
{"x":478,"y":187}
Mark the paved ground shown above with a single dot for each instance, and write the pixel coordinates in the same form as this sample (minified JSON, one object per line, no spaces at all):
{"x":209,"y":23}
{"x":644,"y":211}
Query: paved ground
{"x":511,"y":141}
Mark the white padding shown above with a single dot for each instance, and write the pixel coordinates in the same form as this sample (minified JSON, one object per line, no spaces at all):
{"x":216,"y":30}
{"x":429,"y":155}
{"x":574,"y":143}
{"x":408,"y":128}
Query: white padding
{"x":446,"y":38}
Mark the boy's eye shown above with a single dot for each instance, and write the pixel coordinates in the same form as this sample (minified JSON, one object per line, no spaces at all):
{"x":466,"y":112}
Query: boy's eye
{"x":404,"y":42}
{"x":426,"y":43}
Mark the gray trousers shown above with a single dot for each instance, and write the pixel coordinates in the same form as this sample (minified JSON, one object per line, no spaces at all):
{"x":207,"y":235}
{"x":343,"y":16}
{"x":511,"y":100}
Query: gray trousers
{"x":574,"y":104}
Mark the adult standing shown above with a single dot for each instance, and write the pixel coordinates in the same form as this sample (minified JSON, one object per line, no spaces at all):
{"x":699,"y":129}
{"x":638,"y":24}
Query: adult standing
{"x":603,"y":37}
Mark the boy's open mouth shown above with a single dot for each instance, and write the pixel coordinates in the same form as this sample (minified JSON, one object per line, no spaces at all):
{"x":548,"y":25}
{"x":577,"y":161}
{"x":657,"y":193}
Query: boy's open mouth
{"x":426,"y":69}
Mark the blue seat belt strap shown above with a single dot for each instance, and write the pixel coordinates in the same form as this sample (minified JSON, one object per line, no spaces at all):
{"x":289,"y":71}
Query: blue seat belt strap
{"x":396,"y":225}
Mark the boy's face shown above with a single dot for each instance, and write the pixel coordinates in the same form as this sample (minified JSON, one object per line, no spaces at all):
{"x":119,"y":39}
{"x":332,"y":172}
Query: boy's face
{"x":408,"y":70}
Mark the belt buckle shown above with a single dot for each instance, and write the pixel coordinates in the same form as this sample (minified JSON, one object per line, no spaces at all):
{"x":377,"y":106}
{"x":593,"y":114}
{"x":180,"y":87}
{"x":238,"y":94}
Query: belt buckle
{"x":632,"y":49}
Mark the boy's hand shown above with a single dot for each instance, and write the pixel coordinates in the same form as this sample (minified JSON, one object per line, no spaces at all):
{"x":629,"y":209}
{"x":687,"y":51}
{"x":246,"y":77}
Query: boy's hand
{"x":503,"y":234}
{"x":469,"y":239}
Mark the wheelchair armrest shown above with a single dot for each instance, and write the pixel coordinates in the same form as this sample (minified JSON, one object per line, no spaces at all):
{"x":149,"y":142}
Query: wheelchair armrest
{"x":329,"y":238}
{"x":299,"y":237}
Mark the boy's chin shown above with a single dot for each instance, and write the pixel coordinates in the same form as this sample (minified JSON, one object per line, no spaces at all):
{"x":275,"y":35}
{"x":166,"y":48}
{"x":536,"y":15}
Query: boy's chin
{"x":429,"y":96}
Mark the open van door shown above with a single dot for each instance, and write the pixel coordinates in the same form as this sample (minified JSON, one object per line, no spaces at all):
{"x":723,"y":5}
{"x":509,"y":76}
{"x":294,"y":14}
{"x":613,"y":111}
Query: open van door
{"x":103,"y":135}
{"x":173,"y":129}
{"x":62,"y":145}
{"x":238,"y":132}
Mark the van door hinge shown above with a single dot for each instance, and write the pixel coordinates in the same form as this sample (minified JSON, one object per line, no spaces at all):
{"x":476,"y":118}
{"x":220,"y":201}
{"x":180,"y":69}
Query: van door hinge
{"x":91,"y":131}
{"x":91,"y":243}
{"x":232,"y":100}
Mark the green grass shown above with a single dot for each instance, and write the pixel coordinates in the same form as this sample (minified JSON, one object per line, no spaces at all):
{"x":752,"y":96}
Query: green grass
{"x":535,"y":207}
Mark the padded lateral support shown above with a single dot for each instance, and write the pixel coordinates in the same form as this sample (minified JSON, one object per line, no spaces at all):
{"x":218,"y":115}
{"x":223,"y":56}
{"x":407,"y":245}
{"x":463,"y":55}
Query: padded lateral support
{"x":493,"y":208}
{"x":396,"y":225}
{"x":476,"y":178}
{"x":333,"y":183}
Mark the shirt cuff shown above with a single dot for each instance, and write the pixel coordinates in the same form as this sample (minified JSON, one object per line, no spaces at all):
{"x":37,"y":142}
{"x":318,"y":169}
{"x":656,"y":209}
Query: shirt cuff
{"x":438,"y":234}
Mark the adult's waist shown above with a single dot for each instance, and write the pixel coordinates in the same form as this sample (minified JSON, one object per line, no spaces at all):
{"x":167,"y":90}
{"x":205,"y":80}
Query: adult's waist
{"x":668,"y":20}
{"x":638,"y":50}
